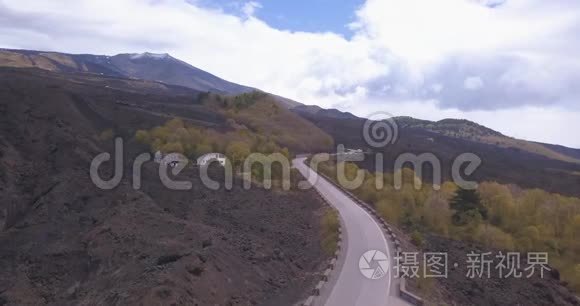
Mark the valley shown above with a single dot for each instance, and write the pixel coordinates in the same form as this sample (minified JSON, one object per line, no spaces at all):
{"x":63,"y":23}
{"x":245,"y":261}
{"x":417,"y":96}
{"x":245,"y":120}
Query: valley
{"x":67,"y":242}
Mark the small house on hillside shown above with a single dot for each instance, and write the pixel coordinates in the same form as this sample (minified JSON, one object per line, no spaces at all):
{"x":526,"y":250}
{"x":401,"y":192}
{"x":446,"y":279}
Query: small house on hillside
{"x":158,"y":157}
{"x":353,"y":151}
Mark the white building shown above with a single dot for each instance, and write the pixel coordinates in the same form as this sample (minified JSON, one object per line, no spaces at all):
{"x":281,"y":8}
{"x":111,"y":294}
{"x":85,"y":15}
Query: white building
{"x":208,"y":158}
{"x":353,"y":151}
{"x":158,"y":157}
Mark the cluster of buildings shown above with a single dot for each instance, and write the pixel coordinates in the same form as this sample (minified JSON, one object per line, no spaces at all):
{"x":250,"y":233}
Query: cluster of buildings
{"x":173,"y":159}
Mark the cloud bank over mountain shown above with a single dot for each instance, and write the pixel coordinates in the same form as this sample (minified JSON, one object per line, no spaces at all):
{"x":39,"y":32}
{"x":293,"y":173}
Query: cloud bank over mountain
{"x":481,"y":60}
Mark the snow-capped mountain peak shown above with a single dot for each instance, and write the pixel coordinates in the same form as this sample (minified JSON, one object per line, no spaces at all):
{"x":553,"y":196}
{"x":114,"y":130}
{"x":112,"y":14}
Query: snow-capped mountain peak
{"x":157,"y":56}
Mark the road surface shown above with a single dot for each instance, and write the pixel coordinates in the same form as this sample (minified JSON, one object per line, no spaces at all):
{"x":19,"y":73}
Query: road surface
{"x":349,"y":287}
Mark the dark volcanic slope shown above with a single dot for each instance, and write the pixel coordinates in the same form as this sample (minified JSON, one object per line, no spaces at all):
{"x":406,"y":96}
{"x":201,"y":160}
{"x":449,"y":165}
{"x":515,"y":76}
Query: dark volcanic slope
{"x":314,"y":110}
{"x":494,"y":290}
{"x":564,"y":150}
{"x":163,"y":67}
{"x":66,"y":242}
{"x":147,"y":66}
{"x":504,"y":165}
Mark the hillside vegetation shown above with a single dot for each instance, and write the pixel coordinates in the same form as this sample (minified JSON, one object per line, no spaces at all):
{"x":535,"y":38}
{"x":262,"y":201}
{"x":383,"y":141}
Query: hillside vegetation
{"x":261,"y":114}
{"x":254,"y":123}
{"x":177,"y":137}
{"x":507,"y":218}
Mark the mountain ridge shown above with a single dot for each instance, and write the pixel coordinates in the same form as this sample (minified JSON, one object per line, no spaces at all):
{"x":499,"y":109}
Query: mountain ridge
{"x":150,"y":66}
{"x":167,"y":69}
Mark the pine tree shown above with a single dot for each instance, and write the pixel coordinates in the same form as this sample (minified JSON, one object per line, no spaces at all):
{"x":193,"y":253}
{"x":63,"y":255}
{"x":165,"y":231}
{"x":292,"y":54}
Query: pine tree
{"x":467,"y":206}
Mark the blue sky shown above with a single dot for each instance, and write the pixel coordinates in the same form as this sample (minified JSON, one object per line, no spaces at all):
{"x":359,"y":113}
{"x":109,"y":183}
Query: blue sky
{"x":298,"y":15}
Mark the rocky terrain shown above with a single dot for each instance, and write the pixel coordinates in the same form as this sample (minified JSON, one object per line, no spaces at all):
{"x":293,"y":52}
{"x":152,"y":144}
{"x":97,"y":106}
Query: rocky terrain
{"x":66,"y":242}
{"x":463,"y":290}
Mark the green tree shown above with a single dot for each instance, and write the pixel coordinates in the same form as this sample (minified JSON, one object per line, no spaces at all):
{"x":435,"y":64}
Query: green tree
{"x":237,"y":152}
{"x":173,"y":147}
{"x":157,"y":144}
{"x":175,"y":124}
{"x":390,"y":210}
{"x":142,"y":136}
{"x":329,"y":231}
{"x":437,"y":213}
{"x":499,"y":202}
{"x":107,"y":134}
{"x":417,"y":238}
{"x":466,"y":204}
{"x":492,"y":236}
{"x":286,"y":153}
{"x":160,"y":132}
{"x":201,"y":149}
{"x":575,"y":226}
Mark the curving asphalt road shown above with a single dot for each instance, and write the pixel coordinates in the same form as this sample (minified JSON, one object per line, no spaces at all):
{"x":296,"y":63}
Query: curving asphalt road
{"x":361,"y":233}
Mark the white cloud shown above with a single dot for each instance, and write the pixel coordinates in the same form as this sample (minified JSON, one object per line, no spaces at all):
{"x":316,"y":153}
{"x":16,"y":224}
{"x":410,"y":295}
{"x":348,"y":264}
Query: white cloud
{"x":437,"y":88}
{"x":491,"y":3}
{"x":473,"y":83}
{"x":426,"y":31}
{"x":250,"y":8}
{"x":520,"y":54}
